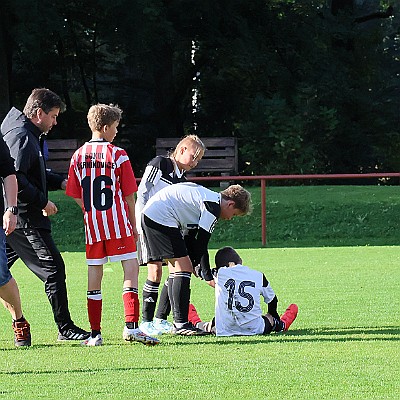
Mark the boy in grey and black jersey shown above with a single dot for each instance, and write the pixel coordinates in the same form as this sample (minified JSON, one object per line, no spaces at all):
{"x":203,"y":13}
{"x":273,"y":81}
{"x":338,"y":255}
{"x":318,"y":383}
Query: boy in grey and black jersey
{"x":161,"y":172}
{"x":172,"y":212}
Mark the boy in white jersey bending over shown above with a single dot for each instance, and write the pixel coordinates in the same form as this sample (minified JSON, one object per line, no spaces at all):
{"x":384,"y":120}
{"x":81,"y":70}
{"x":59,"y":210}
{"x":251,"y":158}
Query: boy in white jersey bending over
{"x":180,"y":208}
{"x":102,"y":182}
{"x":237,"y":300}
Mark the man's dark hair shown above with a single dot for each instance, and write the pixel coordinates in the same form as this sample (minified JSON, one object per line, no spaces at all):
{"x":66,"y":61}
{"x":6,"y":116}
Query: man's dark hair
{"x":42,"y":98}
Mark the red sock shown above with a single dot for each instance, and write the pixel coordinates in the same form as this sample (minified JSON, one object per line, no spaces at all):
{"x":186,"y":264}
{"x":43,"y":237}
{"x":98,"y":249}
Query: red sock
{"x":94,"y":311}
{"x":131,"y":304}
{"x":193,"y":317}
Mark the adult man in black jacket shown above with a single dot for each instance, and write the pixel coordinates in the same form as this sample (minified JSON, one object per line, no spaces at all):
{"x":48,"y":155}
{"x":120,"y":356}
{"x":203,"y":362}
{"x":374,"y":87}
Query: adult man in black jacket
{"x":32,"y":241}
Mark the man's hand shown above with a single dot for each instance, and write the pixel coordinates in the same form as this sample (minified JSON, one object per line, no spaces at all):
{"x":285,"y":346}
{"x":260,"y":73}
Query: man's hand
{"x":64,"y":184}
{"x":50,"y":209}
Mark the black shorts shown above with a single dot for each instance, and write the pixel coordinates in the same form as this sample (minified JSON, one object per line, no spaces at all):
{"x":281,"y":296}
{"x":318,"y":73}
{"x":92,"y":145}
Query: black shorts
{"x":162,"y":242}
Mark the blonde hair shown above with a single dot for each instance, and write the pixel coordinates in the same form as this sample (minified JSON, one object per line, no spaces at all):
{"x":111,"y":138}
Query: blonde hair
{"x":103,"y":114}
{"x":193,"y":140}
{"x":240,"y":196}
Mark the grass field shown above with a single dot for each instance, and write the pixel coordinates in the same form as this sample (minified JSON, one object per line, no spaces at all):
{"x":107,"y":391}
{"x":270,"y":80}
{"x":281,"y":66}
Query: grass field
{"x":344,"y":344}
{"x":297,"y":216}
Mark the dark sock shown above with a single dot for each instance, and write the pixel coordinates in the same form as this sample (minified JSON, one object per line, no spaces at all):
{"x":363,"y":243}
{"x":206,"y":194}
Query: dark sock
{"x":181,"y":296}
{"x":170,"y":284}
{"x":164,"y":305}
{"x":131,"y":325}
{"x":150,"y":296}
{"x":279,"y":325}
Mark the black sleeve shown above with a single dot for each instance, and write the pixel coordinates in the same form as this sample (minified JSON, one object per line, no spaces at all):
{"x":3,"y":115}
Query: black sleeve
{"x":24,"y":152}
{"x":205,"y":267}
{"x":273,"y":308}
{"x":54,"y":180}
{"x":197,"y":243}
{"x":29,"y":193}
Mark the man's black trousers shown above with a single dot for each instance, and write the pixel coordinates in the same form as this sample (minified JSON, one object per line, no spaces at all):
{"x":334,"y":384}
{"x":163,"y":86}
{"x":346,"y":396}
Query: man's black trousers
{"x":36,"y":248}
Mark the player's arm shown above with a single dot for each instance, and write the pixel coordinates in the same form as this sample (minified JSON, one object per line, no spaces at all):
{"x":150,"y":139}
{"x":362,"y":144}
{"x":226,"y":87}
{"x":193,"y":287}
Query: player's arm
{"x":198,"y":253}
{"x":146,"y":184}
{"x":130,"y":199}
{"x":79,"y":202}
{"x":152,"y":175}
{"x":129,"y":188}
{"x":270,"y":298}
{"x":208,"y":218}
{"x":206,"y":270}
{"x":273,"y":308}
{"x":73,"y":187}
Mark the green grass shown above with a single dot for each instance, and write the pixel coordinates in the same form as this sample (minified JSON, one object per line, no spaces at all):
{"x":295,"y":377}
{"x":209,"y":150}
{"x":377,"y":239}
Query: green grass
{"x":344,"y":344}
{"x":318,"y":216}
{"x":300,"y":216}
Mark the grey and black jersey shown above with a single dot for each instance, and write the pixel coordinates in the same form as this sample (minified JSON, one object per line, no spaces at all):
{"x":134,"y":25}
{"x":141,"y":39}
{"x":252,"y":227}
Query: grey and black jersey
{"x":160,"y":172}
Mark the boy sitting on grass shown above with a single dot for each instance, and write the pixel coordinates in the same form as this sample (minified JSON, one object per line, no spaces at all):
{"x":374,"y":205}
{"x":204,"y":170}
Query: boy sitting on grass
{"x":237,"y":300}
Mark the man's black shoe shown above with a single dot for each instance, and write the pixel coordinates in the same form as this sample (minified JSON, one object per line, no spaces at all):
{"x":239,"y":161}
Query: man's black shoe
{"x":72,"y":332}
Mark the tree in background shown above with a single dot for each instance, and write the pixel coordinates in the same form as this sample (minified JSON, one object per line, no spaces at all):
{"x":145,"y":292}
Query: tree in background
{"x":308,"y":101}
{"x":307,"y":86}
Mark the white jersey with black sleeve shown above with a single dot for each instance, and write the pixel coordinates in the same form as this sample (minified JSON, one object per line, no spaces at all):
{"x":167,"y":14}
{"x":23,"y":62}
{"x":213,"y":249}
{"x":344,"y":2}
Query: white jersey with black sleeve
{"x":160,"y":172}
{"x":237,"y":301}
{"x":185,"y":206}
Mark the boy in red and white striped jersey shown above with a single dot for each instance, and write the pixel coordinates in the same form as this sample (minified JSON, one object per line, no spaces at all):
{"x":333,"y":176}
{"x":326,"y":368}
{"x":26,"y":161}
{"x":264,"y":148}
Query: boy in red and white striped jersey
{"x":102,"y":182}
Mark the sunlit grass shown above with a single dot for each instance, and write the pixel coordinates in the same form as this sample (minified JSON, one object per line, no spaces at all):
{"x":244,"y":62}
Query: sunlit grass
{"x":295,"y":217}
{"x":344,"y":344}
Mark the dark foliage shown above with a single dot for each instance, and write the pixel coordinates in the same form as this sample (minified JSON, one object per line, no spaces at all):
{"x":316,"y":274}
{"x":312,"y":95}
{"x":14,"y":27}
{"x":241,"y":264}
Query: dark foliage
{"x":307,"y":86}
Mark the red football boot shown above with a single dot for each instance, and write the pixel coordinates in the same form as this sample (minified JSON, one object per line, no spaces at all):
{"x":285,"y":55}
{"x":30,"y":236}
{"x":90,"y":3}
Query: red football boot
{"x":289,"y":316}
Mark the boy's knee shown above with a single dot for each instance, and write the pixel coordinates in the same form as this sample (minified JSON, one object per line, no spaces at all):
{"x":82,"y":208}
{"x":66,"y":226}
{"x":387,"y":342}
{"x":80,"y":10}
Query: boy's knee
{"x":154,"y":272}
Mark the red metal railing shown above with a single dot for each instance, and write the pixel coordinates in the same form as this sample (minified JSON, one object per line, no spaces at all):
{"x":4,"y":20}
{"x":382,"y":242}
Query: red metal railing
{"x":264,"y":178}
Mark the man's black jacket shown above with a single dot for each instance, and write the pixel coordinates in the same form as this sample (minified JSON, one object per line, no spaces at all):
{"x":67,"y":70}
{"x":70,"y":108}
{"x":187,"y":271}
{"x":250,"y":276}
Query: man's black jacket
{"x":23,"y":139}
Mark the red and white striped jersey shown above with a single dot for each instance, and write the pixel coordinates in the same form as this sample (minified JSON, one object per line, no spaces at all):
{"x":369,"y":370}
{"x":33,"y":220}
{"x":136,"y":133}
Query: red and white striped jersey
{"x":101,"y":175}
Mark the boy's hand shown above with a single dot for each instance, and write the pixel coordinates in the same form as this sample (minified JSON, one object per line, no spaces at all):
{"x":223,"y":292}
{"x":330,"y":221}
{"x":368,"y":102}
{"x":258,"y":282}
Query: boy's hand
{"x":135,"y":233}
{"x":197,"y":271}
{"x":211,"y":283}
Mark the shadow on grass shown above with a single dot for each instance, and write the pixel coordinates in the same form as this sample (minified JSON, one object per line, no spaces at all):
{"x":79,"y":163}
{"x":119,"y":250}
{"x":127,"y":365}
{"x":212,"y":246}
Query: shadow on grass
{"x":354,"y":330}
{"x":81,"y":370}
{"x":362,"y":334}
{"x":350,"y":334}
